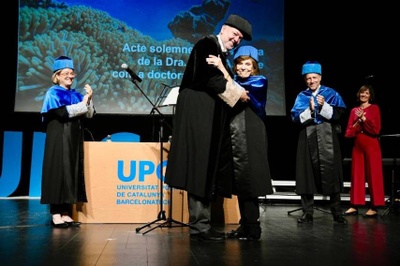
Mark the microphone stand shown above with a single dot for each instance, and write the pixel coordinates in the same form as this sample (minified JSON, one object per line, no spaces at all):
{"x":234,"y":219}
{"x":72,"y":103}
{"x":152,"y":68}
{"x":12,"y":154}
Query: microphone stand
{"x":161,"y":215}
{"x":393,"y":183}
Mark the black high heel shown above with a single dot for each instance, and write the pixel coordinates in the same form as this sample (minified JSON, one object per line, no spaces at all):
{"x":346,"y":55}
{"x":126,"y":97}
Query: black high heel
{"x":63,"y":225}
{"x":69,"y":221}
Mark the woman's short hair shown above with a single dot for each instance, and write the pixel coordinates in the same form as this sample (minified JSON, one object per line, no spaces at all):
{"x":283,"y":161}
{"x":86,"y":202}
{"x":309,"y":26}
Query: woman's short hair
{"x":366,"y":88}
{"x":256,"y":68}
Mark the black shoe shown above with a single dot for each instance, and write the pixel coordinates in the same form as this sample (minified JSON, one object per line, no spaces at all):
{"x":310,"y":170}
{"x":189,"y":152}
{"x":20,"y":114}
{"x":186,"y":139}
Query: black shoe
{"x":213,"y":231}
{"x":238,"y":233}
{"x":251,"y":236}
{"x":253,"y":232}
{"x":306,"y":218}
{"x":63,"y":225}
{"x":208,"y":236}
{"x":339,"y":219}
{"x":245,"y":234}
{"x":74,"y":224}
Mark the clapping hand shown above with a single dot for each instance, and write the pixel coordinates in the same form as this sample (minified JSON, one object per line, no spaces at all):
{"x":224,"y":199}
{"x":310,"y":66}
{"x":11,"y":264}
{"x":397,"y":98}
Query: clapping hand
{"x":312,"y":104}
{"x":359,"y":112}
{"x":89,"y":91}
{"x":361,"y":116}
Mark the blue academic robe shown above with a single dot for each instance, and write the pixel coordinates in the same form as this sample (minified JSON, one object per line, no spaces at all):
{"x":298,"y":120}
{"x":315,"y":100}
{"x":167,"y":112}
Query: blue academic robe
{"x":318,"y":158}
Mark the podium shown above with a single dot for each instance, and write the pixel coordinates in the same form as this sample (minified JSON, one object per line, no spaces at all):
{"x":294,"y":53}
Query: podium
{"x":122,"y":185}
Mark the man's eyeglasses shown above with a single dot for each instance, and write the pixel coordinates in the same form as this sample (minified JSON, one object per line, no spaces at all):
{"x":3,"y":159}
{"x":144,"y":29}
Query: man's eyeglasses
{"x":72,"y":74}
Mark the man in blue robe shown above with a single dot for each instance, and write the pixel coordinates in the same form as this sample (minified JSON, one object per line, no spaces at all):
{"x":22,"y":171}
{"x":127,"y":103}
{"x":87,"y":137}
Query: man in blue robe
{"x":318,"y":110}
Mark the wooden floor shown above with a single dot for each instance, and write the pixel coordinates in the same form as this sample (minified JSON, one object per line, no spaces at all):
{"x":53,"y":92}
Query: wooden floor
{"x":26,"y":238}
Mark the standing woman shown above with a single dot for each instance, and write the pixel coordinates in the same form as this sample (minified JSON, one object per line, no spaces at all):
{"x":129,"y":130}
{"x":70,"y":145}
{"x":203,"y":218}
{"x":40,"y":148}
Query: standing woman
{"x":63,"y":112}
{"x":252,"y":177}
{"x":364,"y":125}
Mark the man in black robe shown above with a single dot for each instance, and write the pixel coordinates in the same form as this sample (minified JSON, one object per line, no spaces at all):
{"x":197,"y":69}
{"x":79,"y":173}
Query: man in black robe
{"x":200,"y":158}
{"x":318,"y":110}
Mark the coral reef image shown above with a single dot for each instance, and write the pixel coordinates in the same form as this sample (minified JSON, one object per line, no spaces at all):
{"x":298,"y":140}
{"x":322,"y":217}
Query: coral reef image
{"x":98,"y":45}
{"x":101,"y":36}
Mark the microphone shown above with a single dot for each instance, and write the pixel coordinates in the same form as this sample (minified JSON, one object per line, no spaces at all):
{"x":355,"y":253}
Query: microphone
{"x":133,"y":75}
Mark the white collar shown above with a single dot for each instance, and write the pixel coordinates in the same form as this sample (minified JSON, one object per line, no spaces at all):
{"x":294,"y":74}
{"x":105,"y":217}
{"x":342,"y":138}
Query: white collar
{"x":224,"y":50}
{"x":314,"y":93}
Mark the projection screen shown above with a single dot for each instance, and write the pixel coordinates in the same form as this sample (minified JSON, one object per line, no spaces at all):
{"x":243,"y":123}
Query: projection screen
{"x":154,"y":38}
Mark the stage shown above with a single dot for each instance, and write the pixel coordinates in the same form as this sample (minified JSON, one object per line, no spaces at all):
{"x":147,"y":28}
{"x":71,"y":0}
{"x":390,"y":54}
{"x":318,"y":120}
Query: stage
{"x":26,"y":238}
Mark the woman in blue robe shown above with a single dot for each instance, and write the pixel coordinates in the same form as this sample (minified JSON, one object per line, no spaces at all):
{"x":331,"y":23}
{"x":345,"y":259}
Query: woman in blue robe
{"x":63,"y":112}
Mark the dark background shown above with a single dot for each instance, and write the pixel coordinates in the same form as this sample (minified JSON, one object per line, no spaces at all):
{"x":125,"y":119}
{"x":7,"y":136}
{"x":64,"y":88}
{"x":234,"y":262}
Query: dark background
{"x":350,"y":42}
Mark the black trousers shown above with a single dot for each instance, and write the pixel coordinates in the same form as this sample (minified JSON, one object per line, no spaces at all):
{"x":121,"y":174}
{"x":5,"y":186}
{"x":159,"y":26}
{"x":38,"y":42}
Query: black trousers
{"x":249,"y":210}
{"x":307,"y":203}
{"x":63,"y":209}
{"x":199,"y":214}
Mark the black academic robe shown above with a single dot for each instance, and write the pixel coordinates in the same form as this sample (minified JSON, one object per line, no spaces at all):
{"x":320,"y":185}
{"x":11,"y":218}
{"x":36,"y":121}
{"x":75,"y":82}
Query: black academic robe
{"x":63,"y":171}
{"x":319,"y":160}
{"x":200,"y":159}
{"x":252,"y":177}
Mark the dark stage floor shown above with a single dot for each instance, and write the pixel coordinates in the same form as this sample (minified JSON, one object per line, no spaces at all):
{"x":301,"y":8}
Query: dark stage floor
{"x":26,"y":238}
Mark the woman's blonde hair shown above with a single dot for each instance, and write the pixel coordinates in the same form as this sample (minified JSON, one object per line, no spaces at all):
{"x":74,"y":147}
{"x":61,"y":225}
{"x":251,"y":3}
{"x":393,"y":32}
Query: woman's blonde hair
{"x":54,"y":77}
